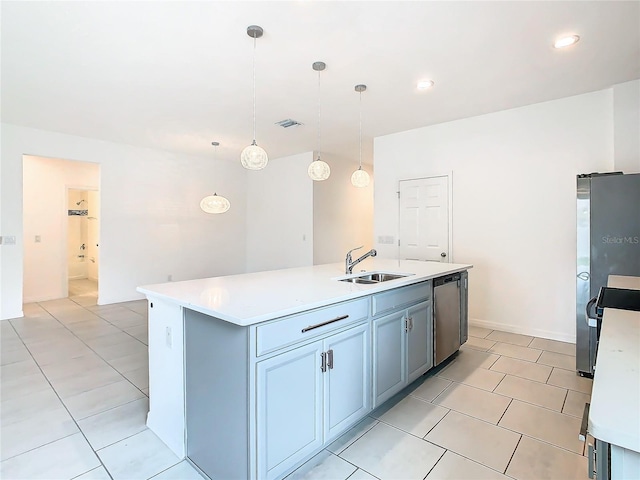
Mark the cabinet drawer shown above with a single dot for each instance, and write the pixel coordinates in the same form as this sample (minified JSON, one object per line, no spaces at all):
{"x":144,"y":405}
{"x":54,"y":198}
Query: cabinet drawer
{"x":400,"y":297}
{"x":296,"y":328}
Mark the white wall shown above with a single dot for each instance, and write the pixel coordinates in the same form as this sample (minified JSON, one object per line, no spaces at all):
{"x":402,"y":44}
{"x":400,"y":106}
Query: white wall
{"x":279,"y":221}
{"x":513,"y":202}
{"x":45,"y":214}
{"x":151,"y":222}
{"x":626,"y":126}
{"x":342,"y":213}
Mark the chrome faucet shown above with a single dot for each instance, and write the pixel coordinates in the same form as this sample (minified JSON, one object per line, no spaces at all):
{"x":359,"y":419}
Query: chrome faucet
{"x":349,"y":263}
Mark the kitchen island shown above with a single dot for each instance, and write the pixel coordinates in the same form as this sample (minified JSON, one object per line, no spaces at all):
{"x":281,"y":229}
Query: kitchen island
{"x":614,"y":415}
{"x":250,"y":375}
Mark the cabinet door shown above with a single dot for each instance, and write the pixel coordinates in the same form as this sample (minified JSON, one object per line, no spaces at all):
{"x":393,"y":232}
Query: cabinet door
{"x":346,"y":385}
{"x":419,"y":340}
{"x":289,"y":408}
{"x":389,"y":375}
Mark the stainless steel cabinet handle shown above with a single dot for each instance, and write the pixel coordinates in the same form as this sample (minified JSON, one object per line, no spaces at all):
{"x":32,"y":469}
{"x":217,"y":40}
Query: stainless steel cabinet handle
{"x":318,"y":325}
{"x":330,"y":359}
{"x":323,"y":362}
{"x":590,"y":456}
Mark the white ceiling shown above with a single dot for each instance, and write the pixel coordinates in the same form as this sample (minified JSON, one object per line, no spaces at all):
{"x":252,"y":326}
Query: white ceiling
{"x":177,"y":75}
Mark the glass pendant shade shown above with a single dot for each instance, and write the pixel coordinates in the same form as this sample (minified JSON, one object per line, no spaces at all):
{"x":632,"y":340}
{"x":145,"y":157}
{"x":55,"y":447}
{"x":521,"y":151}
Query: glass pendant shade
{"x":215,"y":204}
{"x":319,"y":170}
{"x":360,"y":178}
{"x":254,"y":157}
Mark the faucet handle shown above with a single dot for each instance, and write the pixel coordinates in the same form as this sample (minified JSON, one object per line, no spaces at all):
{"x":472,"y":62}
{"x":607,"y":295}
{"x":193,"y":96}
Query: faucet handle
{"x":357,"y":248}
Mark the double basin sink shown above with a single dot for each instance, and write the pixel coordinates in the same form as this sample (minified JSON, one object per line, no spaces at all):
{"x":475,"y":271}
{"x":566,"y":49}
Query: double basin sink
{"x":375,"y":277}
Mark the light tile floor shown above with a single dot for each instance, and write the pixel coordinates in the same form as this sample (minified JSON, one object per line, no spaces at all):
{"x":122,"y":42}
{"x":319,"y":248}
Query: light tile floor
{"x":75,"y":397}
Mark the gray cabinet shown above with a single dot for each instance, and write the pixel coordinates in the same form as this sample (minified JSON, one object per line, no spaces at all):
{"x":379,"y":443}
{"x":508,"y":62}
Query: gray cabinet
{"x":388,"y":356}
{"x":402,"y":339}
{"x":288,"y":387}
{"x":307,"y":396}
{"x":419,"y":333}
{"x":289,"y":408}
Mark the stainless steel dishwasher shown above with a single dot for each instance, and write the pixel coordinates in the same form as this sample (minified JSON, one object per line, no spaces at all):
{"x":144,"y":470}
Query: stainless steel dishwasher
{"x":446,"y":322}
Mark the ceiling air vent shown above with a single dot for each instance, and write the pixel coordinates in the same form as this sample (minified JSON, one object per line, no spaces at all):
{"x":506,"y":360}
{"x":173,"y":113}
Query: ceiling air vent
{"x":289,"y":123}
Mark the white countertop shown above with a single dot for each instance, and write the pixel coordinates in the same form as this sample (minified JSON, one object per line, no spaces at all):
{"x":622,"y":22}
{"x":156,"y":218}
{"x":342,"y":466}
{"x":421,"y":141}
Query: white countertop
{"x":614,"y":415}
{"x":621,"y":281}
{"x":256,"y":297}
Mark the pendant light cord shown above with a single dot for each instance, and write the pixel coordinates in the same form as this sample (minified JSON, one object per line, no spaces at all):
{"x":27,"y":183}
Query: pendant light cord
{"x":254,"y":90}
{"x":318,"y":140}
{"x":360,"y":134}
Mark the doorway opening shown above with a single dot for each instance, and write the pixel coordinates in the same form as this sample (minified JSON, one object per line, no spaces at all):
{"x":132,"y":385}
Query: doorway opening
{"x":83,"y":238}
{"x":61,"y":225}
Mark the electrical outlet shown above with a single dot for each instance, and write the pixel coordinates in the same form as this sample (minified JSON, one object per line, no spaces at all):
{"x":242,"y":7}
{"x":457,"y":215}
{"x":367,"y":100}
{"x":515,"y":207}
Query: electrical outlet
{"x":38,"y":239}
{"x":169,"y":278}
{"x":386,"y":239}
{"x":8,"y":240}
{"x":169,"y":340}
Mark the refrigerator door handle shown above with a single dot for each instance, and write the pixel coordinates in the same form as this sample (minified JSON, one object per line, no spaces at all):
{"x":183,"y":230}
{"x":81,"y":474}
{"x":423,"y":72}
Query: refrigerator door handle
{"x":583,"y":276}
{"x":591,"y":321}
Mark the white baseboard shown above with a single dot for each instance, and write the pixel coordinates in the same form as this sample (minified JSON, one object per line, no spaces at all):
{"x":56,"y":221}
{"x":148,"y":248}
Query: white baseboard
{"x":46,"y":298}
{"x":535,"y":332}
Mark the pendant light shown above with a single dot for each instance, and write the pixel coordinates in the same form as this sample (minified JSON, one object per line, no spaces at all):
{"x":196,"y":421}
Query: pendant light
{"x":254,"y":157}
{"x":319,"y":170}
{"x":360,"y":178}
{"x":215,"y":203}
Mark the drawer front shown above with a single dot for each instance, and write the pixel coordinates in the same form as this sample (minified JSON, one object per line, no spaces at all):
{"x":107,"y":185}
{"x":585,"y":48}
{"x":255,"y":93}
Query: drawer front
{"x":297,"y":328}
{"x":400,"y":297}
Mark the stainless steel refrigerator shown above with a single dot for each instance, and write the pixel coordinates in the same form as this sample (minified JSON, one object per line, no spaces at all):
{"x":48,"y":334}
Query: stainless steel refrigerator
{"x":608,"y":237}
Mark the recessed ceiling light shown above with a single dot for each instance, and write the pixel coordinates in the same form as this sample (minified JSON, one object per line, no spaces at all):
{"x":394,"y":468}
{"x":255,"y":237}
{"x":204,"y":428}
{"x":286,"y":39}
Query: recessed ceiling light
{"x":566,"y":41}
{"x":424,"y":84}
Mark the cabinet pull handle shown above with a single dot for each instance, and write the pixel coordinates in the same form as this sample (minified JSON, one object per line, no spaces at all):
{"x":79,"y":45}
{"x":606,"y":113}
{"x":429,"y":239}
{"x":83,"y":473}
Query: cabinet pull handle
{"x":410,"y":323}
{"x":323,"y":362}
{"x":590,"y":456}
{"x":318,"y":325}
{"x":330,"y":359}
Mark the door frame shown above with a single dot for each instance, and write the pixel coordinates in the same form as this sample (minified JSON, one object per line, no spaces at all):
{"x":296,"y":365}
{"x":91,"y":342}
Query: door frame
{"x":449,"y":176}
{"x":65,"y":240}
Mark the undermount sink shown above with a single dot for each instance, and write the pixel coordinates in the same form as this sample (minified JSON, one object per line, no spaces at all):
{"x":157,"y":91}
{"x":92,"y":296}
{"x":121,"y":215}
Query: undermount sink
{"x":371,"y":278}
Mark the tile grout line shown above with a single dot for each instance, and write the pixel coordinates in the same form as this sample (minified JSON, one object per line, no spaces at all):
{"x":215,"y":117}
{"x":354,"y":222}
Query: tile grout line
{"x":438,"y":461}
{"x":91,"y":348}
{"x":437,"y":423}
{"x":512,"y":455}
{"x":503,"y":413}
{"x":344,"y":460}
{"x":96,"y":353}
{"x":66,"y":409}
{"x":564,"y":402}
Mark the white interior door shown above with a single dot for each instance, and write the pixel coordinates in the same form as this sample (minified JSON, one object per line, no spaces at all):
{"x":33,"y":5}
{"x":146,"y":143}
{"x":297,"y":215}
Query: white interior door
{"x":424,"y":219}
